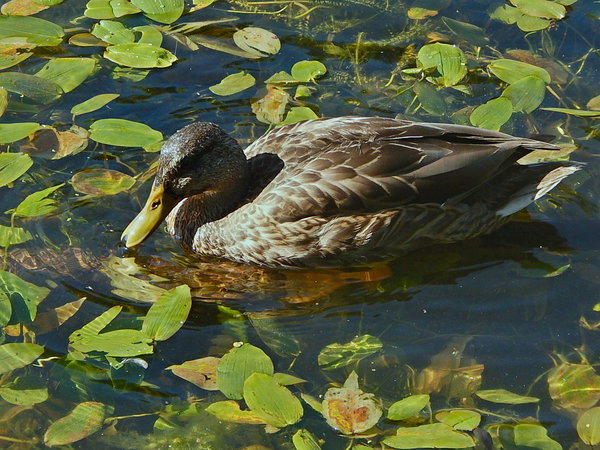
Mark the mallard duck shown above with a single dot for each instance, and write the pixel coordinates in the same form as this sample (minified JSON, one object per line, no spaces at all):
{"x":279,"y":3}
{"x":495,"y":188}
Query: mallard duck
{"x":337,"y":191}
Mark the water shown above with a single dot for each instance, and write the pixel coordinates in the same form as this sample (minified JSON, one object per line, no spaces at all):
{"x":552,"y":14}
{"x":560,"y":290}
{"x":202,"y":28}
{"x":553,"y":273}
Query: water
{"x":514,"y":299}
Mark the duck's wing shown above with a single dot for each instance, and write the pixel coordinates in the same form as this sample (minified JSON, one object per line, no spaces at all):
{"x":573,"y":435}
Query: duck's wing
{"x":355,"y":165}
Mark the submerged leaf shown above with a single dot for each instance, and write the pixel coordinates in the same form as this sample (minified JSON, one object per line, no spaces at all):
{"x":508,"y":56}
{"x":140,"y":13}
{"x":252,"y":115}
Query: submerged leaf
{"x":232,"y":84}
{"x":24,"y":296}
{"x":588,"y":426}
{"x":38,"y":203}
{"x":271,"y":108}
{"x":85,"y":419}
{"x":574,"y":387}
{"x":304,"y":440}
{"x":504,"y":396}
{"x":50,"y":143}
{"x":492,"y":114}
{"x":16,"y":355}
{"x":349,"y":409}
{"x":39,"y":90}
{"x":27,"y":390}
{"x":336,"y":355}
{"x":435,"y":435}
{"x":13,"y":236}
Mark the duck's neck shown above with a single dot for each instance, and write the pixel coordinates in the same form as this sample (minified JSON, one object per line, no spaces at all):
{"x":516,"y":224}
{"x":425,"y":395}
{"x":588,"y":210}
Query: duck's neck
{"x":214,"y":204}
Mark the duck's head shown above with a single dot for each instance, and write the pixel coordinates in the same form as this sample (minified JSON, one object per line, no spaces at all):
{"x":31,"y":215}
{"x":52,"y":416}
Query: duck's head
{"x":200,"y":162}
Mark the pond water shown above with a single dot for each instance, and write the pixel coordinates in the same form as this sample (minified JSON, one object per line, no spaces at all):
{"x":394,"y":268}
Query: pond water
{"x":517,"y":310}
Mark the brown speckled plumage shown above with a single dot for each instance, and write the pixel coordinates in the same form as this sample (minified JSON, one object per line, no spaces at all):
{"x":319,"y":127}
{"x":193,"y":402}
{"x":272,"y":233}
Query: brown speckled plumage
{"x":345,"y":190}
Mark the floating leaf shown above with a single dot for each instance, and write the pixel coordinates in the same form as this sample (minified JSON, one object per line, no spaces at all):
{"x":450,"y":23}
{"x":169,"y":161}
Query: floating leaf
{"x":86,"y":40}
{"x":150,"y":35}
{"x":101,"y":182}
{"x":408,"y":407}
{"x":122,"y":8}
{"x":237,"y":365}
{"x":435,"y":435}
{"x":113,"y":32}
{"x":24,"y":296}
{"x":349,"y":409}
{"x":281,"y":78}
{"x":575,"y":112}
{"x":527,"y":23}
{"x":448,"y":60}
{"x":37,"y":89}
{"x":10,"y":55}
{"x":93,"y":104}
{"x":163,"y":11}
{"x":31,"y":30}
{"x":229,"y":411}
{"x":234,"y":83}
{"x":298,"y":114}
{"x":511,"y":71}
{"x":13,"y":236}
{"x":50,"y":143}
{"x":526,"y":94}
{"x":85,"y":419}
{"x":68,"y":73}
{"x":304,"y":440}
{"x":21,"y":8}
{"x":305,"y":71}
{"x":11,"y":132}
{"x":285,"y":379}
{"x":140,"y":55}
{"x":166,"y":316}
{"x":492,"y":114}
{"x":109,"y":9}
{"x":336,"y":355}
{"x":37,"y":204}
{"x":221,"y":46}
{"x":257,"y":41}
{"x":16,"y":355}
{"x":27,"y":390}
{"x":125,"y":133}
{"x":460,"y":419}
{"x":574,"y":387}
{"x":273,"y":403}
{"x":546,"y":9}
{"x":588,"y":426}
{"x":201,"y":372}
{"x":504,"y":396}
{"x":3,"y":100}
{"x":594,"y":103}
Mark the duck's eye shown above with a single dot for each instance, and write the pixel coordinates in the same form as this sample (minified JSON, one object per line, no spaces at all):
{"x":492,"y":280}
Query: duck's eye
{"x":155,"y":204}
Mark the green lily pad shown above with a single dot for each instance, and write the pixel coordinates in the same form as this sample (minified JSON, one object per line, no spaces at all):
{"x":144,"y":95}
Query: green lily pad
{"x":23,"y":296}
{"x":281,"y":78}
{"x":13,"y":236}
{"x":122,"y":8}
{"x":336,"y":355}
{"x":408,"y":407}
{"x":27,"y":390}
{"x":588,"y":426}
{"x":229,"y":411}
{"x":273,"y":403}
{"x":257,"y":41}
{"x":298,"y":114}
{"x":7,"y":61}
{"x":304,"y":71}
{"x":492,"y":114}
{"x":16,"y":355}
{"x":545,"y":9}
{"x":124,"y":133}
{"x":93,"y":104}
{"x":449,"y":61}
{"x":527,"y":23}
{"x":37,"y":204}
{"x":85,"y":419}
{"x":11,"y":132}
{"x":232,"y":84}
{"x":140,"y":55}
{"x":31,"y":30}
{"x":526,"y":94}
{"x":109,"y":9}
{"x":68,"y":73}
{"x":38,"y":89}
{"x":13,"y":165}
{"x":504,"y":396}
{"x":101,"y":181}
{"x":149,"y":35}
{"x":435,"y":435}
{"x":511,"y":71}
{"x":460,"y":419}
{"x":304,"y":440}
{"x":113,"y":32}
{"x":163,"y":11}
{"x":168,"y":313}
{"x":237,"y":365}
{"x":3,"y":100}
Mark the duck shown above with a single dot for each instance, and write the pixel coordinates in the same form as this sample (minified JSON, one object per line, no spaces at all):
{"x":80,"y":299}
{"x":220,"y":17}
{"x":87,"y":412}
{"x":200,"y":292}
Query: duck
{"x":339,"y":191}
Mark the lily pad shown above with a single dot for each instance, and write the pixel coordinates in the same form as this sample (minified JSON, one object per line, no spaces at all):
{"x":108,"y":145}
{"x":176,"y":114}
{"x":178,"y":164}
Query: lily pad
{"x":298,"y":114}
{"x":68,"y":73}
{"x":30,"y":30}
{"x":149,"y":35}
{"x":435,"y":435}
{"x":163,"y":11}
{"x":237,"y":365}
{"x":229,"y":411}
{"x":16,"y":355}
{"x":492,"y":114}
{"x":468,"y":32}
{"x":124,"y":133}
{"x":93,"y":104}
{"x":101,"y":181}
{"x":336,"y":355}
{"x":232,"y":84}
{"x":10,"y":56}
{"x":529,"y":435}
{"x":460,"y":419}
{"x":27,"y":390}
{"x":304,"y":71}
{"x":85,"y":419}
{"x":546,"y":9}
{"x":166,"y":316}
{"x":11,"y":132}
{"x":511,"y":71}
{"x":140,"y":55}
{"x":448,"y":60}
{"x":38,"y":89}
{"x":113,"y":32}
{"x":273,"y":403}
{"x":421,"y":9}
{"x":21,"y":8}
{"x":526,"y":94}
{"x":304,"y":440}
{"x":408,"y":407}
{"x":504,"y":396}
{"x":257,"y":41}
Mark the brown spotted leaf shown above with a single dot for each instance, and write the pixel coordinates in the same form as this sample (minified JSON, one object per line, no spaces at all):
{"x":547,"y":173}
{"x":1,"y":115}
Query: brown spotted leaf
{"x":101,"y":181}
{"x":201,"y":372}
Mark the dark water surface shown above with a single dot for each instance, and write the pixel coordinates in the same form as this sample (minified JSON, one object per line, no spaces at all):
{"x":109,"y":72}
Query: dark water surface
{"x":512,"y":301}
